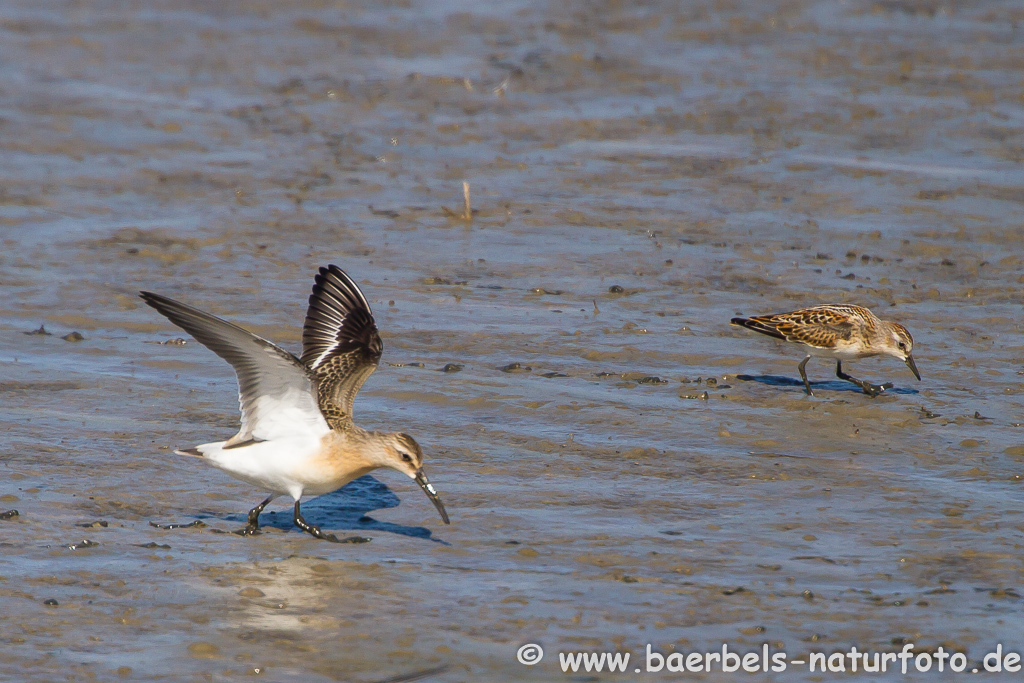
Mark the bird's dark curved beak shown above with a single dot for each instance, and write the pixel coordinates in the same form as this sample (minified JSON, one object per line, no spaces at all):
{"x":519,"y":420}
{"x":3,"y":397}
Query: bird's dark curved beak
{"x":421,"y":479}
{"x":909,"y":360}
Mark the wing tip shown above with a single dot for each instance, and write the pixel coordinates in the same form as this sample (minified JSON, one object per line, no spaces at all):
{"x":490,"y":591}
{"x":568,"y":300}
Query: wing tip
{"x":338,"y":319}
{"x":160,"y":302}
{"x":758,"y":324}
{"x":323,"y":272}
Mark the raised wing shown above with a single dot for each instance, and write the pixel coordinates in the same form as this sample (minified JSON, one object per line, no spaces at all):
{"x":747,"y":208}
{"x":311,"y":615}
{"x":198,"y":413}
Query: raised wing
{"x":275,"y":392}
{"x":340,"y":342}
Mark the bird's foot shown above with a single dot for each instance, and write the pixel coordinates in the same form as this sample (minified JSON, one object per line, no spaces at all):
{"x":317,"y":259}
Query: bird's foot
{"x":249,"y":530}
{"x":874,"y":390}
{"x":317,"y":533}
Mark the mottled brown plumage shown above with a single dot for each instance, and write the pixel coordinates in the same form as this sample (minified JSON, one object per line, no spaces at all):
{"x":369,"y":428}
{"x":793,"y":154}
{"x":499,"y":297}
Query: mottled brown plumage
{"x":839,"y":331}
{"x":340,"y":343}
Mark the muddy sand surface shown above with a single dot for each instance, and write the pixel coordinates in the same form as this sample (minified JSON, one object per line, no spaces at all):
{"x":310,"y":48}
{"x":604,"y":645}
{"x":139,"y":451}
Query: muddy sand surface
{"x":646,"y":474}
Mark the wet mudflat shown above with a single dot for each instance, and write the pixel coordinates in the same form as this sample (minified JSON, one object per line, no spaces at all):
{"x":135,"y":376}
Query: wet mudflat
{"x":621,"y":466}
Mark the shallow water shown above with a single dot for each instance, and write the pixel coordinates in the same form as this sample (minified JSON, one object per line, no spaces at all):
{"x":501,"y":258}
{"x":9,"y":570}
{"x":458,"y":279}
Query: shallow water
{"x":710,"y":160}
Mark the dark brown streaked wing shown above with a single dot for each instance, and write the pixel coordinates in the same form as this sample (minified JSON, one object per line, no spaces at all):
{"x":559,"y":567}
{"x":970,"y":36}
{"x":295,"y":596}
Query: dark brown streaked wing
{"x":275,"y":392}
{"x":814,"y":334}
{"x":822,"y":326}
{"x":758,"y":325}
{"x":340,"y":342}
{"x":819,"y":326}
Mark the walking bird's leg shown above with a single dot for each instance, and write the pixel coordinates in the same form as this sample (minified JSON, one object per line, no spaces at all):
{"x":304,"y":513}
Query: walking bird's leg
{"x":309,"y":528}
{"x":316,"y":533}
{"x":803,"y":373}
{"x":254,"y":518}
{"x":870,"y":389}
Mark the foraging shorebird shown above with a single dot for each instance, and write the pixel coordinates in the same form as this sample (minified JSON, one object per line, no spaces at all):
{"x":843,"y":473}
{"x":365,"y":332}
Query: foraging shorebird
{"x":297,"y":436}
{"x":838,"y":331}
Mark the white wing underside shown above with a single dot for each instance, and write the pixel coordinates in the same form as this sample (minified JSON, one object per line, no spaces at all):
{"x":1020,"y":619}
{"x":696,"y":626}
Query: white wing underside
{"x":293,"y":412}
{"x":275,"y":393}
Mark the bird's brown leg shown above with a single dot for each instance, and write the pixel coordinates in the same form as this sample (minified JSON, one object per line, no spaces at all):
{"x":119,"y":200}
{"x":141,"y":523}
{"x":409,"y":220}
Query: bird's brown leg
{"x":254,"y":518}
{"x":870,"y":389}
{"x":803,"y":374}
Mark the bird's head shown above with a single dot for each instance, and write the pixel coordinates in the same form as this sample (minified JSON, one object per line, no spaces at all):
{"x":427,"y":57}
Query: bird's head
{"x":900,"y":345}
{"x":402,"y":453}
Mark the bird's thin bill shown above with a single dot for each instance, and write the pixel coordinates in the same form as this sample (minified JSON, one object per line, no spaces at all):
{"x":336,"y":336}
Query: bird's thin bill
{"x":421,"y":479}
{"x":913,"y":366}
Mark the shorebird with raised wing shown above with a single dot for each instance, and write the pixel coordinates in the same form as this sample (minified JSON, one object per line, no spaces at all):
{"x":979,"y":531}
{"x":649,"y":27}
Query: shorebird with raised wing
{"x":838,"y":331}
{"x":297,"y":436}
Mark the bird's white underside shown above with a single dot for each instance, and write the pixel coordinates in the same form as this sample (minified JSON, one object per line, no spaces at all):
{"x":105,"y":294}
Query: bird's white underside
{"x":842,"y":351}
{"x":276,"y":466}
{"x":289,"y":429}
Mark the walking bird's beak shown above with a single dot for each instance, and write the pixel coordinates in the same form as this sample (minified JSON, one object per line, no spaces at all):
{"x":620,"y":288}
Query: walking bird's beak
{"x":421,"y":479}
{"x":909,"y":360}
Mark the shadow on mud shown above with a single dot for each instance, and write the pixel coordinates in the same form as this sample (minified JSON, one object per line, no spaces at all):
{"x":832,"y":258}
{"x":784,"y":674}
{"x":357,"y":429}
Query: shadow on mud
{"x":346,"y":510}
{"x":833,"y":385}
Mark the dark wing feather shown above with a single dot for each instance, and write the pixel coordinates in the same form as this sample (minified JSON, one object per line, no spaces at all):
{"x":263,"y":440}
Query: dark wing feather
{"x":818,"y":326}
{"x":340,"y":342}
{"x":758,"y":326}
{"x":275,"y":391}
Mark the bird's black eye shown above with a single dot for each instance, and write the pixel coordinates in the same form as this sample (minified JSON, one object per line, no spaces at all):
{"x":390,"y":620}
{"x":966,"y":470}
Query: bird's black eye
{"x":407,"y":458}
{"x":903,"y":347}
